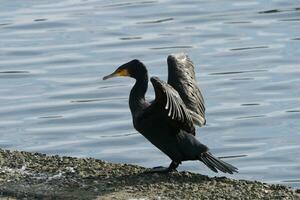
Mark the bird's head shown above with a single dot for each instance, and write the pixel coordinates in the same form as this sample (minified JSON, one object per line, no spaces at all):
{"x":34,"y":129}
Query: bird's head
{"x":134,"y":69}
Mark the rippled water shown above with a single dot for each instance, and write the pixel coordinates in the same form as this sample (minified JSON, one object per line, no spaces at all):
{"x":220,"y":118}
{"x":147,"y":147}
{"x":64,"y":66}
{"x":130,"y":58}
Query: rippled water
{"x":54,"y":53}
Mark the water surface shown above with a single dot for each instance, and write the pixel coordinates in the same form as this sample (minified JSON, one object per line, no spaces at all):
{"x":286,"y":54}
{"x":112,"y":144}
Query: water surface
{"x":54,"y":53}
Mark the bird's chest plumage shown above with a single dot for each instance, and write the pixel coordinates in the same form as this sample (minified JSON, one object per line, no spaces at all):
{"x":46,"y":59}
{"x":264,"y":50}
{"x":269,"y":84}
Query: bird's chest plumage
{"x":151,"y":125}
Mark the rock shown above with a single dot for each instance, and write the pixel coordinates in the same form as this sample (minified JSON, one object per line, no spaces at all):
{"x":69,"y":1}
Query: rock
{"x":26,"y":175}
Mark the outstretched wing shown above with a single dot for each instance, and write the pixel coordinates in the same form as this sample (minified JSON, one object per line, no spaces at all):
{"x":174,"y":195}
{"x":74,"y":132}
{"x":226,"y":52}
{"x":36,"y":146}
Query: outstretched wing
{"x":182,"y":78}
{"x":171,"y":105}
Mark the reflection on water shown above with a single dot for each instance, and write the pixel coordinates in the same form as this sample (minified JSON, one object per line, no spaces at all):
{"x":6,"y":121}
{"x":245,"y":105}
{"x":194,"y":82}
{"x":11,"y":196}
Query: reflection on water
{"x":54,"y":54}
{"x":236,"y":72}
{"x":14,"y":72}
{"x":156,"y":21}
{"x":248,"y":48}
{"x":171,"y":47}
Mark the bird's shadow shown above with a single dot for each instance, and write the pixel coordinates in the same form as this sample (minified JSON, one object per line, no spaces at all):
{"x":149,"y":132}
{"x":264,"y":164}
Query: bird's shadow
{"x":137,"y":182}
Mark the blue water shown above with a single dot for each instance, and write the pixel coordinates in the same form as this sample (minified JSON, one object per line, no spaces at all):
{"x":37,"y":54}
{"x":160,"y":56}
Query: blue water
{"x":53,"y":55}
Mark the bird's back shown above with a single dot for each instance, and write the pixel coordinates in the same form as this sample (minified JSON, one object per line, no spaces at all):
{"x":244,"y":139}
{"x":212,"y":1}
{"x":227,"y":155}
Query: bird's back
{"x":172,"y":141}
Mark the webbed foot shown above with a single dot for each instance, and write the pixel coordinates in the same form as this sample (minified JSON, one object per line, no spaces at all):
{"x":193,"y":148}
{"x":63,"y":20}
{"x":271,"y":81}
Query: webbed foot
{"x":161,"y":169}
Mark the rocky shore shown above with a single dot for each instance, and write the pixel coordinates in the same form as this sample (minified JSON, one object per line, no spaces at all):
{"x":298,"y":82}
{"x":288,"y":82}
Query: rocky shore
{"x":26,"y":175}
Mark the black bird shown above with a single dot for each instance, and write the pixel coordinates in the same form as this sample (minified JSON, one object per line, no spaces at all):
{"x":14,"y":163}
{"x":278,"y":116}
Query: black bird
{"x":168,"y":122}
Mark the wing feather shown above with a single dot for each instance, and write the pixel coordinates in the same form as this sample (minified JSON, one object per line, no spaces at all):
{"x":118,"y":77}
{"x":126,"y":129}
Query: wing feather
{"x":171,"y":104}
{"x":182,"y":78}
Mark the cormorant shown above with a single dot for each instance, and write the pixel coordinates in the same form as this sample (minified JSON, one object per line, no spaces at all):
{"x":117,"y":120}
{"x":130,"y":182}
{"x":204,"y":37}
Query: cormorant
{"x":168,"y":122}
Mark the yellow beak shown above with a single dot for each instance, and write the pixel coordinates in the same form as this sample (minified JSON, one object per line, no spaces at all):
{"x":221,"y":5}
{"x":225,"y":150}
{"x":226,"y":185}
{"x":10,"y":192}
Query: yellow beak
{"x":123,"y":72}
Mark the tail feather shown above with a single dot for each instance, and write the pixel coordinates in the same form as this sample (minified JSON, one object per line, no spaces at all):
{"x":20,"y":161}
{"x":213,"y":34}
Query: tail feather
{"x":219,"y":165}
{"x":208,"y":164}
{"x":223,"y":166}
{"x":216,"y":164}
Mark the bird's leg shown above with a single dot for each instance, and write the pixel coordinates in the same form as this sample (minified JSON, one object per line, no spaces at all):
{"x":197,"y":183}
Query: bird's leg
{"x":161,"y":169}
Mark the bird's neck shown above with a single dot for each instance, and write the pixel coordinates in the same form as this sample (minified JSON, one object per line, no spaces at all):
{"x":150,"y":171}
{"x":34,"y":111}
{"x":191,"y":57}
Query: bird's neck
{"x":137,"y":94}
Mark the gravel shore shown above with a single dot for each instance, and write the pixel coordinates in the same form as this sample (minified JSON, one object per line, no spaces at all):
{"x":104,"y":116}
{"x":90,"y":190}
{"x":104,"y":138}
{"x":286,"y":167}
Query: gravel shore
{"x":26,"y":175}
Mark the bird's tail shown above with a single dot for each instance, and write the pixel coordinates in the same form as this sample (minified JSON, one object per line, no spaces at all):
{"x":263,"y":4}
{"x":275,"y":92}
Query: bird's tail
{"x":216,"y":164}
